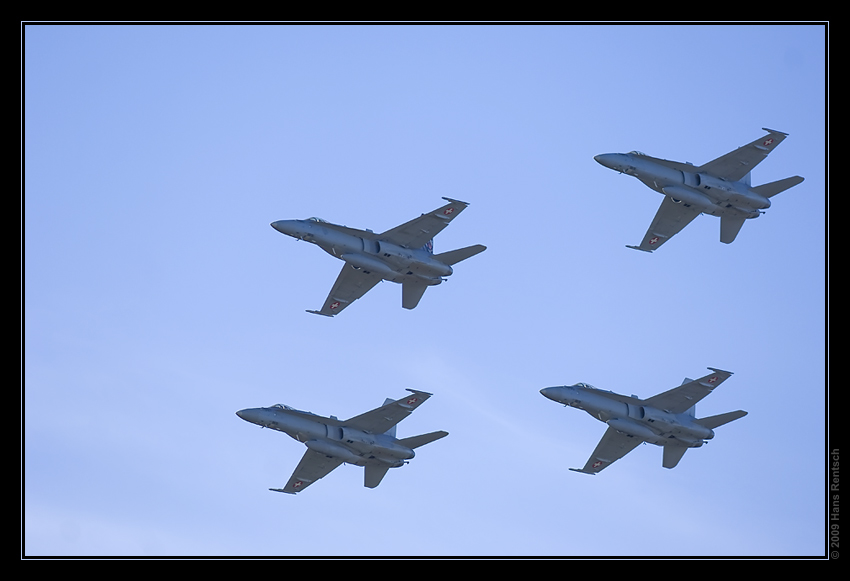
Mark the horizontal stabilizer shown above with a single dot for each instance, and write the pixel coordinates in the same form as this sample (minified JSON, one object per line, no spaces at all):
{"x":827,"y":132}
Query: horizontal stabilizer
{"x":773,"y":188}
{"x":454,"y":256}
{"x":417,"y":441}
{"x":712,"y":422}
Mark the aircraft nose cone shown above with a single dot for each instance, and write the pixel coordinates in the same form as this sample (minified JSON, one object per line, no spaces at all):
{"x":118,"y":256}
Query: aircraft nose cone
{"x":550,"y":392}
{"x":606,"y":159}
{"x":280,"y":226}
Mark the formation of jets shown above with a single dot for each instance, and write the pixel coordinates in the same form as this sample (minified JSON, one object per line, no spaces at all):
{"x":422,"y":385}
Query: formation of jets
{"x":404,"y":255}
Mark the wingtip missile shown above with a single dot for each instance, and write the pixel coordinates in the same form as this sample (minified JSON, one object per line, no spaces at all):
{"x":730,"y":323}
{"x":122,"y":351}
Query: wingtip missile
{"x":583,"y":471}
{"x":281,"y":490}
{"x":319,"y":313}
{"x":452,"y":200}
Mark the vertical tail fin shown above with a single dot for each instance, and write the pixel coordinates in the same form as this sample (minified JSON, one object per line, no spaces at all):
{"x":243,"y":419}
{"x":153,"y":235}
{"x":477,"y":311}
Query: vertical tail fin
{"x":411,"y":292}
{"x":729,"y":228}
{"x":672,"y":455}
{"x":373,"y":475}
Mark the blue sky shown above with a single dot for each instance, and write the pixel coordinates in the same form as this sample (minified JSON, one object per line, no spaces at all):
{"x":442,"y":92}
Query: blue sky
{"x":158,"y":300}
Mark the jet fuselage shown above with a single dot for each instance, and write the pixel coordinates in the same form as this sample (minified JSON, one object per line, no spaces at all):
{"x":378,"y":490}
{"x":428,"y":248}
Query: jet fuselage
{"x":389,"y":261}
{"x":708,"y":194}
{"x":327,"y":437}
{"x":634,"y":419}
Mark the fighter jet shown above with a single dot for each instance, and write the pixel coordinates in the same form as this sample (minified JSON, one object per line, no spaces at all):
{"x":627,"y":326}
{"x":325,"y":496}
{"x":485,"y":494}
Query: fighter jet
{"x":404,"y":254}
{"x":666,"y":419}
{"x":365,"y":440}
{"x":721,"y":188}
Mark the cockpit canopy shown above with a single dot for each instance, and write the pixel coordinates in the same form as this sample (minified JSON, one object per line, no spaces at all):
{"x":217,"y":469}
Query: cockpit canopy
{"x":314,"y":219}
{"x":636,"y":152}
{"x":281,"y":406}
{"x":587,"y":385}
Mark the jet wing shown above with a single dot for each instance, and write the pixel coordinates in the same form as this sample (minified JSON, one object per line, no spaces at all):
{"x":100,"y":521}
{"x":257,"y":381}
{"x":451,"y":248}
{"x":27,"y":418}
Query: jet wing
{"x":312,"y":467}
{"x":669,"y":220}
{"x":613,"y":446}
{"x":417,"y":232}
{"x":736,"y":164}
{"x":381,"y":419}
{"x":682,"y":398}
{"x":350,"y":285}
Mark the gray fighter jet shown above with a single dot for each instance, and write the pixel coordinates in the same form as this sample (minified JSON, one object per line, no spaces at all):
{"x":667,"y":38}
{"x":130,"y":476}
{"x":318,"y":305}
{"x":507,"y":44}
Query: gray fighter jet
{"x":666,"y":420}
{"x":365,"y":440}
{"x":404,"y":254}
{"x":721,"y":188}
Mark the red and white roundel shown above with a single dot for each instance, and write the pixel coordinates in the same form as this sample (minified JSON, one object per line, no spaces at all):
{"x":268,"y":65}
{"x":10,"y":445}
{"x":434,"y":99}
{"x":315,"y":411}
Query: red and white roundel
{"x":449,"y":211}
{"x":334,"y":305}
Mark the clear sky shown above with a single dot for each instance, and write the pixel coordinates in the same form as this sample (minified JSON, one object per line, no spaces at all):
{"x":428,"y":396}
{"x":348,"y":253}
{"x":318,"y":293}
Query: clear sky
{"x":158,"y":301}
